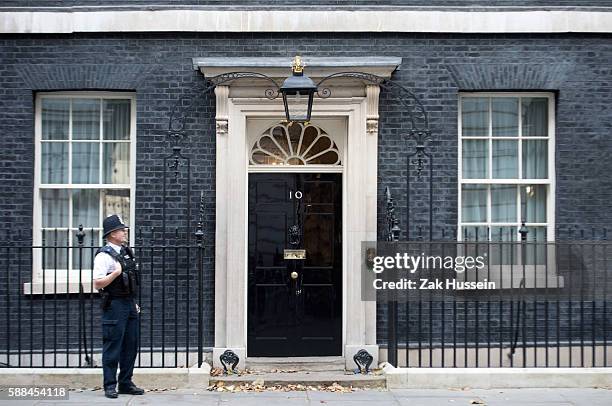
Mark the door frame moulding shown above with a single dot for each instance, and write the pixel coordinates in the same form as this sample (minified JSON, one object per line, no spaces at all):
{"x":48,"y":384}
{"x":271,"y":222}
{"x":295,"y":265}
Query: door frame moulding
{"x":231,"y":237}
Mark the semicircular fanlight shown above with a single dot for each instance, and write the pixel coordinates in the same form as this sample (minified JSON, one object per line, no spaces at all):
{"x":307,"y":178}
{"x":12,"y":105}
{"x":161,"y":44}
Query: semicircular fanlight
{"x":295,"y":144}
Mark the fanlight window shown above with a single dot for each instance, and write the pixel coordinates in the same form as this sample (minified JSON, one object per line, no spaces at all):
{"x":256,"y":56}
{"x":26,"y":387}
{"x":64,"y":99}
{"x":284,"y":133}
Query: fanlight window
{"x":295,"y":144}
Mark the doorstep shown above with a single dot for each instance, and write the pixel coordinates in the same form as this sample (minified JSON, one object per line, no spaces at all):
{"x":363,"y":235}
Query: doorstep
{"x":302,"y":379}
{"x":293,"y":364}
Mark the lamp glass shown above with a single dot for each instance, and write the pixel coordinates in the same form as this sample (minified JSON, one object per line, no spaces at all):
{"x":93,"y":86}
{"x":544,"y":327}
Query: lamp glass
{"x":298,"y":105}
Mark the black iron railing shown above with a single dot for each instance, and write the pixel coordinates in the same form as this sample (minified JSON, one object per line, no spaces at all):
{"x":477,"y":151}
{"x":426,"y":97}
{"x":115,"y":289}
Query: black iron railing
{"x":549,"y":305}
{"x":50,"y":314}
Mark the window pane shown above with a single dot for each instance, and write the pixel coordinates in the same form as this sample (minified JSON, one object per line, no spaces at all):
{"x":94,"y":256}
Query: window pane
{"x":476,"y":233}
{"x":86,"y":253}
{"x":85,"y":119}
{"x":116,"y":163}
{"x":54,"y":167}
{"x":535,"y":116}
{"x":475,"y":159}
{"x":535,"y":159}
{"x":509,"y":234}
{"x":86,"y":208}
{"x":535,"y":203}
{"x":263,"y":158}
{"x":474,"y":203}
{"x":56,"y":255}
{"x":85,"y":162}
{"x":505,"y":252}
{"x":505,"y":159}
{"x":117,"y":202}
{"x":536,"y":234}
{"x":54,"y":207}
{"x":295,"y":133}
{"x":55,"y":116}
{"x":535,"y":250}
{"x":116,"y":119}
{"x":475,"y":116}
{"x":327,"y":158}
{"x":503,"y":203}
{"x":505,"y":116}
{"x":273,"y":145}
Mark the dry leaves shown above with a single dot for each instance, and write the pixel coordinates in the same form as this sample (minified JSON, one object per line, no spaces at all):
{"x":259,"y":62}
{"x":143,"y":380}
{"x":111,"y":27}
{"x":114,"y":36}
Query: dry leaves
{"x":238,"y":372}
{"x":371,"y":371}
{"x":259,"y":386}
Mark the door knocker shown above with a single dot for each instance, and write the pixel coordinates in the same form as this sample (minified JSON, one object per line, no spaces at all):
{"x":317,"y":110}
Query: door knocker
{"x":295,"y":235}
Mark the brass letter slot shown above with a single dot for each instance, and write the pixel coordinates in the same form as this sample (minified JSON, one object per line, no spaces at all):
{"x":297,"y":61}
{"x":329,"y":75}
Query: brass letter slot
{"x":295,"y":254}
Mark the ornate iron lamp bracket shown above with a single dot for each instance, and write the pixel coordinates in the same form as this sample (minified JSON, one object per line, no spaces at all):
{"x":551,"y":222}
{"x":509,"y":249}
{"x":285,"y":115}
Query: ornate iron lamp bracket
{"x":176,"y":127}
{"x":187,"y":103}
{"x":418,"y":115}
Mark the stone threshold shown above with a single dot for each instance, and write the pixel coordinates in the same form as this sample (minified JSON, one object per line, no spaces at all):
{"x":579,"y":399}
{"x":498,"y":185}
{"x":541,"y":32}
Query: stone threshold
{"x":303,"y":378}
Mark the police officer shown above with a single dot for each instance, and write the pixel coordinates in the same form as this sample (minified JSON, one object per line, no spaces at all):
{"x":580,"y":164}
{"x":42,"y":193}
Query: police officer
{"x":115,"y":275}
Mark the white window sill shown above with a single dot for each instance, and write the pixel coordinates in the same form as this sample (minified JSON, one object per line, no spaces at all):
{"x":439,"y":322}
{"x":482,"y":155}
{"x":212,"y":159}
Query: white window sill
{"x":511,"y":277}
{"x":59,"y":288}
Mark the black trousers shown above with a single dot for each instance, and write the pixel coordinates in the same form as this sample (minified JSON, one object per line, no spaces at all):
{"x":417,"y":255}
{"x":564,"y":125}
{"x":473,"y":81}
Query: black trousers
{"x":119,"y":341}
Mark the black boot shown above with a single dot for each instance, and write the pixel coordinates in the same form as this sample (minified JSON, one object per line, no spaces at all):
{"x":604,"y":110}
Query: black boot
{"x":110,"y":393}
{"x":131,"y":390}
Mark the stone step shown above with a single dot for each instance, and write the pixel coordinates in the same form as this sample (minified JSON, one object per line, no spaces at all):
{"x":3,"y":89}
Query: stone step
{"x":293,"y":364}
{"x":304,"y":378}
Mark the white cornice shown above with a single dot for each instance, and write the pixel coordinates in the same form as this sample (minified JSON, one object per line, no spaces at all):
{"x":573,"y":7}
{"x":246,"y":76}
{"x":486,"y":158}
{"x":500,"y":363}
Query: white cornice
{"x":316,"y":67}
{"x":197,"y":20}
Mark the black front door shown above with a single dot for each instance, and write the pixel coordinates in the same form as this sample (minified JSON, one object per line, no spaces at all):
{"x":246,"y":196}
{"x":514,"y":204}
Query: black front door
{"x":295,"y":305}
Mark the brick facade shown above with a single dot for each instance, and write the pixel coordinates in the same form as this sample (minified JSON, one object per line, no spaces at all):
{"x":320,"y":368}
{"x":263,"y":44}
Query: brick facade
{"x":157,"y":67}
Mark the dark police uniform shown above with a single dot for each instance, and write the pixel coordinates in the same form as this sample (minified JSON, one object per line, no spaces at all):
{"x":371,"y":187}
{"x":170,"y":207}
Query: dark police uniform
{"x":120,"y":321}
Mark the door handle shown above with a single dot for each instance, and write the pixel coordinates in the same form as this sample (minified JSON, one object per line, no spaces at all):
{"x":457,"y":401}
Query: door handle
{"x":298,"y":288}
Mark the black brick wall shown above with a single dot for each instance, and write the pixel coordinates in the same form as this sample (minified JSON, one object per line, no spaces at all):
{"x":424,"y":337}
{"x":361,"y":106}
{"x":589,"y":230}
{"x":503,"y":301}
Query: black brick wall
{"x":157,"y":67}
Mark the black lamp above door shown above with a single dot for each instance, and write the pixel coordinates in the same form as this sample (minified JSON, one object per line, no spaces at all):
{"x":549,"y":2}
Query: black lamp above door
{"x":298,"y":91}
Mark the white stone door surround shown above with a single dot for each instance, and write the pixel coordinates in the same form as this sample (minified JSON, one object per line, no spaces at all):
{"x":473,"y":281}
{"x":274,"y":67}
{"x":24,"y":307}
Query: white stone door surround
{"x":357,"y":102}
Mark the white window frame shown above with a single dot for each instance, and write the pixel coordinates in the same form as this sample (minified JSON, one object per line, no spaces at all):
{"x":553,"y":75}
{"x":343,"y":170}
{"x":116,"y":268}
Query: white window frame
{"x":64,"y":281}
{"x":509,"y":276}
{"x":549,"y":182}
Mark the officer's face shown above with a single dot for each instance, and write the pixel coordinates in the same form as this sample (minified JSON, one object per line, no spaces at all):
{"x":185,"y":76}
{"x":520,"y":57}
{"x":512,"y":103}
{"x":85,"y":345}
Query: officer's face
{"x":119,"y":236}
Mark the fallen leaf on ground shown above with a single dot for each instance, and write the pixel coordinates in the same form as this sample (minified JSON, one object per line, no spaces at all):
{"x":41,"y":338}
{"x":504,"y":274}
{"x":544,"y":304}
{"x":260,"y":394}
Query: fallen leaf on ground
{"x":259,"y":386}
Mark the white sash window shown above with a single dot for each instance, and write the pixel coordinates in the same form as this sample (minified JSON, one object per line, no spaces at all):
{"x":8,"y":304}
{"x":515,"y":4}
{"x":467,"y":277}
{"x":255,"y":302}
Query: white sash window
{"x":506,"y":168}
{"x":84,"y":172}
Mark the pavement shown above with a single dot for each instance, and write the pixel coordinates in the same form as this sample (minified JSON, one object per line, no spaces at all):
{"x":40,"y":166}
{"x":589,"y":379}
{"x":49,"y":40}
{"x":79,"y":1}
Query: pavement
{"x":365,"y":397}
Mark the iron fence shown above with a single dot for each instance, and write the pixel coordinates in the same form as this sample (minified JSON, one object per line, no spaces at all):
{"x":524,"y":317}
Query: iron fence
{"x":550,"y":308}
{"x":547,"y":303}
{"x":50,"y":312}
